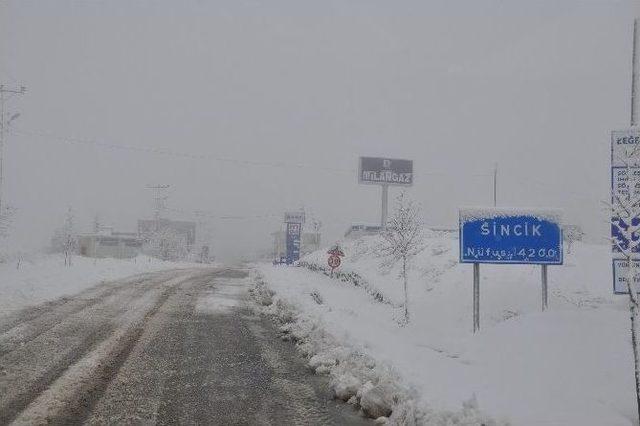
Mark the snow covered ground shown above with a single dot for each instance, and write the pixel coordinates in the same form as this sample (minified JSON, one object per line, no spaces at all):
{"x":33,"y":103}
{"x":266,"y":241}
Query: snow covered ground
{"x":570,"y":365}
{"x":44,"y":277}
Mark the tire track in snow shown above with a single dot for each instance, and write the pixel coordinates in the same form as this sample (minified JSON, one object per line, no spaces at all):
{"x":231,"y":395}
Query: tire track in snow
{"x":30,"y":323}
{"x":28,"y":371}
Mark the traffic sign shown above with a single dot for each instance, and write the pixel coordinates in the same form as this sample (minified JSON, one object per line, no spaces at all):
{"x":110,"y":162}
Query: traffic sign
{"x":625,"y":182}
{"x":621,"y":276}
{"x":293,"y":242}
{"x":515,"y":236}
{"x":334,"y":261}
{"x":509,"y":236}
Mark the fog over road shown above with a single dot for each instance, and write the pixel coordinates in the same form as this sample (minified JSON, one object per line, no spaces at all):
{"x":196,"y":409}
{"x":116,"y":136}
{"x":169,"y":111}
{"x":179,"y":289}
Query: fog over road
{"x":172,"y":347}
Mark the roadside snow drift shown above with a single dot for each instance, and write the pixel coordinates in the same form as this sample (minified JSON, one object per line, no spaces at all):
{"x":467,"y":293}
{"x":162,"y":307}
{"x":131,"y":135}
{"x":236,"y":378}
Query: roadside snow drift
{"x":41,"y":278}
{"x":570,"y":365}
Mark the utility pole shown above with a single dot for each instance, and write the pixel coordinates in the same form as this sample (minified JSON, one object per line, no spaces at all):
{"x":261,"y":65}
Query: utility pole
{"x":633,"y":302}
{"x":495,"y":185}
{"x":6,"y":93}
{"x":160,"y":199}
{"x":385,"y":206}
{"x":634,"y":75}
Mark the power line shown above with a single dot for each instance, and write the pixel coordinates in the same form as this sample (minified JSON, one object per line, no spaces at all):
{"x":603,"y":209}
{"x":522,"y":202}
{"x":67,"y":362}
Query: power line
{"x":68,"y":140}
{"x":178,"y":154}
{"x":211,"y":215}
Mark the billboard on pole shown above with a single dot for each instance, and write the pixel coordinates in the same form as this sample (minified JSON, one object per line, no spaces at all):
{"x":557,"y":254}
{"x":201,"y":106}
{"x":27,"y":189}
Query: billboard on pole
{"x":385,"y":171}
{"x":294,"y":217}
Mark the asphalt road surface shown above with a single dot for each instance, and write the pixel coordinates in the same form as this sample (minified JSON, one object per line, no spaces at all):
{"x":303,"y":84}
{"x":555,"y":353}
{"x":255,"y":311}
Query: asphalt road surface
{"x":177,"y":347}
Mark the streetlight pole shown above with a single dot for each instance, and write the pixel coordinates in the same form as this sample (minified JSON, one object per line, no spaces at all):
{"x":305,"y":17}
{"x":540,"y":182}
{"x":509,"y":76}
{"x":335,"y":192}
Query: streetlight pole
{"x":495,"y":185}
{"x":634,"y":75}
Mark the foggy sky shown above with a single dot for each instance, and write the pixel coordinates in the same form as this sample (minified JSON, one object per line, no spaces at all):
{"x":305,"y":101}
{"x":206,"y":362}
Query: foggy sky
{"x":456,"y":86}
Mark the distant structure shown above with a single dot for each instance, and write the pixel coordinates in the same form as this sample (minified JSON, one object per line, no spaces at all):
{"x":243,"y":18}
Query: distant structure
{"x":360,"y":230}
{"x":187,"y":229}
{"x":108,"y":243}
{"x":310,"y":242}
{"x":168,"y":239}
{"x":356,"y":231}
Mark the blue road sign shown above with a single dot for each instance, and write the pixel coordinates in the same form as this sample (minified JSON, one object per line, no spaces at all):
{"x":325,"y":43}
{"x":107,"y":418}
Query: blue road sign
{"x":293,"y":242}
{"x":510,"y":236}
{"x":625,"y":183}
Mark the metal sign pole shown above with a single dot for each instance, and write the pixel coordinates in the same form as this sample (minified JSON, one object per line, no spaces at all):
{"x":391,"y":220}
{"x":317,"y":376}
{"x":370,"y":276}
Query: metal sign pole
{"x":385,"y":205}
{"x":476,"y":297}
{"x":545,"y":300}
{"x":634,"y":75}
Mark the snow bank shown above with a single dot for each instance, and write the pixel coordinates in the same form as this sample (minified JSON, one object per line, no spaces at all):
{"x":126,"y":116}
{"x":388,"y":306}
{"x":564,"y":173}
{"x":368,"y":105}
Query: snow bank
{"x":570,"y":365}
{"x":40,"y":278}
{"x":356,"y":377}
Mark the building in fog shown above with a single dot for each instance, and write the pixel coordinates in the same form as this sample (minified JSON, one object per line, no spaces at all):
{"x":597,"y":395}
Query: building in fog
{"x":148,"y":227}
{"x":107,"y":243}
{"x":168,"y":239}
{"x":360,"y":230}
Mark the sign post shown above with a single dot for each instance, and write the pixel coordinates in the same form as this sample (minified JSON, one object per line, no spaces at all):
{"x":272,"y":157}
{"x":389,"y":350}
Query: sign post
{"x":293,"y":221}
{"x":509,"y":236}
{"x":385,"y":172}
{"x":476,"y":297}
{"x":385,"y":206}
{"x":545,"y":298}
{"x":334,"y":261}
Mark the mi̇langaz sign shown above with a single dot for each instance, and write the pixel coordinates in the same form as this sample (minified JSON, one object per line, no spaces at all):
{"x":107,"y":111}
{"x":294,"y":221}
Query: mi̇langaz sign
{"x":385,"y":171}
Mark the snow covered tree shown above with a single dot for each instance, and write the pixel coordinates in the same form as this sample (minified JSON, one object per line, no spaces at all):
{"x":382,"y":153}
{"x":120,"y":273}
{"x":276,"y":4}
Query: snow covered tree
{"x":69,"y":237}
{"x":168,"y":244}
{"x":625,"y":227}
{"x":572,"y":233}
{"x":403,"y":239}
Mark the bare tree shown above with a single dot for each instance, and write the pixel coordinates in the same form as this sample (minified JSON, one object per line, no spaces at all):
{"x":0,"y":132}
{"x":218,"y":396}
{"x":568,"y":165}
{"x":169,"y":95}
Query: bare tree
{"x":6,"y":218}
{"x":70,"y":238}
{"x":572,"y":234}
{"x":403,"y":240}
{"x":625,"y":226}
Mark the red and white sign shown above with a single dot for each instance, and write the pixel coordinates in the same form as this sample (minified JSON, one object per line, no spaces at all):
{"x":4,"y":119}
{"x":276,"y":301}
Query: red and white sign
{"x":334,"y":261}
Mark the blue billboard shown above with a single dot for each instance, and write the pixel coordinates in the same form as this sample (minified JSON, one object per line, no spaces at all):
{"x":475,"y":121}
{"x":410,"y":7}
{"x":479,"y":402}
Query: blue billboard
{"x":510,"y":236}
{"x":293,"y":242}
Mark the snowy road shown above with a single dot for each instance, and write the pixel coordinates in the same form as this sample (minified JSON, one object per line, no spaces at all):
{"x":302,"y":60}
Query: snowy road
{"x":165,"y":348}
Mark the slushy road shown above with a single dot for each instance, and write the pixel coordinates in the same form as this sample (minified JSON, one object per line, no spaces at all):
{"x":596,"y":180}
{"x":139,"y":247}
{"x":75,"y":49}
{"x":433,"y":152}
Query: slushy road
{"x":177,"y":347}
